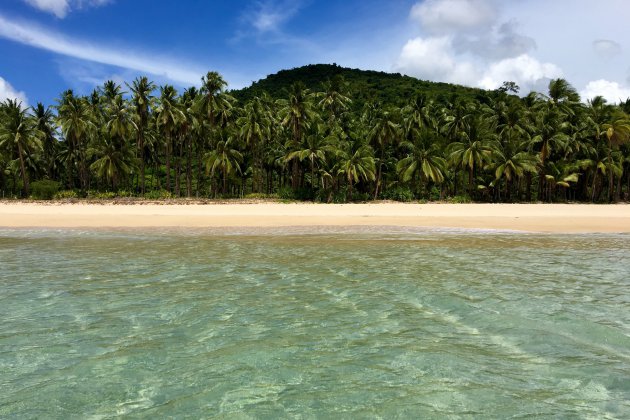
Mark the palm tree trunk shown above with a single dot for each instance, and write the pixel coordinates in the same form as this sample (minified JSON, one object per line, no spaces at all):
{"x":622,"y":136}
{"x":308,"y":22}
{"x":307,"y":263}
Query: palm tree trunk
{"x":168,"y":163}
{"x":23,"y":169}
{"x":189,"y":167}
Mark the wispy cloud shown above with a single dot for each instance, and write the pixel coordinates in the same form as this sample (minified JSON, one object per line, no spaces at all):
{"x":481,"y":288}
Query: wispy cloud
{"x":61,"y":8}
{"x":164,"y":67}
{"x":8,"y":92}
{"x":268,"y":15}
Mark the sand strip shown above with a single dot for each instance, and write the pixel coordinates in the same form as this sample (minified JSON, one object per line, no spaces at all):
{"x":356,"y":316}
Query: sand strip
{"x":557,"y":218}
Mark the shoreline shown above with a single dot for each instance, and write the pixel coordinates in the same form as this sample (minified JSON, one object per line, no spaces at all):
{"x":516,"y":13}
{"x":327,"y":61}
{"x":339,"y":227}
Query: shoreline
{"x":534,"y":218}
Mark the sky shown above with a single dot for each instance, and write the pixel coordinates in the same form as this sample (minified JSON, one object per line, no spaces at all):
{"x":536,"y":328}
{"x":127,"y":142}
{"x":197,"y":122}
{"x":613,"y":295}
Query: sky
{"x":48,"y":46}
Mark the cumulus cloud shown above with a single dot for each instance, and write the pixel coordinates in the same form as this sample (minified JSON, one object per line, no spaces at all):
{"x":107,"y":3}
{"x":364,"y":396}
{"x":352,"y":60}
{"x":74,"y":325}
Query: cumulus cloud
{"x":167,"y":68}
{"x":8,"y":92}
{"x":469,"y":42}
{"x":505,"y":42}
{"x":446,"y":16}
{"x":612,"y":91}
{"x":606,"y":48}
{"x":61,"y":8}
{"x":433,"y":59}
{"x":524,"y":70}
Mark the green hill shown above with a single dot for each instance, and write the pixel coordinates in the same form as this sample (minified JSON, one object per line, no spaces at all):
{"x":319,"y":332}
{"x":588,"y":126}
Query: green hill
{"x":387,"y":88}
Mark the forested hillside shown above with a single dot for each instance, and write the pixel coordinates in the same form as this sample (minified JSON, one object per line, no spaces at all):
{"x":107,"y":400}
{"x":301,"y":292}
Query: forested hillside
{"x":363,"y":85}
{"x":321,"y":133}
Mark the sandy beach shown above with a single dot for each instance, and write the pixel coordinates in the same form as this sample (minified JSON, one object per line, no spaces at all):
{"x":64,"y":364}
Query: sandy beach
{"x":557,"y":218}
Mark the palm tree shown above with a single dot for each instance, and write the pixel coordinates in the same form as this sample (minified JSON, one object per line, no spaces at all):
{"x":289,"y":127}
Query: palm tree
{"x":168,"y":116}
{"x":512,"y":163}
{"x":550,"y":128}
{"x":113,"y":161}
{"x":333,"y":98}
{"x":224,"y":158}
{"x":423,"y":160}
{"x":296,"y":114}
{"x":356,"y":165}
{"x":141,"y":89}
{"x":617,"y":133}
{"x":255,"y":130}
{"x":76,"y":123}
{"x":385,"y":131}
{"x":314,"y":150}
{"x":475,"y":148}
{"x":19,"y":129}
{"x":46,"y":125}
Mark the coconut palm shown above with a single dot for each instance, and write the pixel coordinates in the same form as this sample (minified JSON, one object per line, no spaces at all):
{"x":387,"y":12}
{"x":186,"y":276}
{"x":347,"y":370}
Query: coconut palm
{"x":255,"y":130}
{"x":356,"y":165}
{"x":168,"y":116}
{"x":423,"y":160}
{"x":474,"y":149}
{"x":75,"y":119}
{"x":617,"y":133}
{"x":141,"y":89}
{"x":296,"y":115}
{"x":47,"y":126}
{"x":385,"y":132}
{"x":18,"y":129}
{"x":224,"y":158}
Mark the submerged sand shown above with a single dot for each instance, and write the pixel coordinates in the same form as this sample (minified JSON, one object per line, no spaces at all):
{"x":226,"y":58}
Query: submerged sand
{"x":556,"y":218}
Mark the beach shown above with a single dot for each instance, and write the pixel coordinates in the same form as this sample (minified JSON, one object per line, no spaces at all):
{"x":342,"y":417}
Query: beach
{"x":543,"y":218}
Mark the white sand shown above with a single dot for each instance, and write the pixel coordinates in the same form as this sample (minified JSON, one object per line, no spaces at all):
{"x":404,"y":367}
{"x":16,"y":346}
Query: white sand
{"x":569,"y":218}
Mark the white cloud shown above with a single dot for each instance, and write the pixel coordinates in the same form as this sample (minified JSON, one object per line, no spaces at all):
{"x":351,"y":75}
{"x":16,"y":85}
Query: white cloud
{"x":606,"y":48}
{"x":525,"y":70}
{"x":446,"y":16}
{"x":166,"y":68}
{"x":611,"y":91}
{"x":8,"y":92}
{"x":61,"y":8}
{"x":269,"y":15}
{"x":433,"y":59}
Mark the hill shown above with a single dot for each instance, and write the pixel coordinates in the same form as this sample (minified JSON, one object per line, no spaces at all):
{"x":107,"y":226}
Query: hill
{"x":387,"y":88}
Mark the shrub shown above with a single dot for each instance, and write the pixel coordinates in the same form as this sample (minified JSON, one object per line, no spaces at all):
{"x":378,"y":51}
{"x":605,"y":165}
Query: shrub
{"x":44,"y":189}
{"x":260,"y":196}
{"x":399,"y":193}
{"x":158,"y":195}
{"x":286,"y":193}
{"x":66,"y":194}
{"x":460,"y":199}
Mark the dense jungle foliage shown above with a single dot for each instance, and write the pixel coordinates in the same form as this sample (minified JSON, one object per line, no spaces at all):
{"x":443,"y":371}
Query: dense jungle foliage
{"x":319,"y":132}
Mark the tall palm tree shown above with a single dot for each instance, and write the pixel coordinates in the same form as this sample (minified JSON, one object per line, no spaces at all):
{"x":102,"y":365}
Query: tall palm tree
{"x":255,"y":130}
{"x":18,"y":129}
{"x":296,"y":114}
{"x":168,"y":116}
{"x":385,"y":132}
{"x":474,"y":149}
{"x":314,"y":150}
{"x":423,"y":160}
{"x":334,"y":98}
{"x":224,"y":158}
{"x":47,"y":126}
{"x":617,"y":133}
{"x":356,"y":165}
{"x":75,"y":119}
{"x":141,"y":89}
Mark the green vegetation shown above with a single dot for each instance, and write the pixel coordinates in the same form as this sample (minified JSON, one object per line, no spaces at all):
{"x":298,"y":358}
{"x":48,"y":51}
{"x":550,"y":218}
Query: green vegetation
{"x":322,"y":133}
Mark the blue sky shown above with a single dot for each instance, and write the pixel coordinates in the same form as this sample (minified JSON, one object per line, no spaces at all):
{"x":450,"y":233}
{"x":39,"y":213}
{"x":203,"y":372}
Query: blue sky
{"x":47,"y":46}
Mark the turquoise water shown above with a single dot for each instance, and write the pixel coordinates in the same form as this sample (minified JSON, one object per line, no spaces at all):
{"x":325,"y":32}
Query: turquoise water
{"x":297,"y":323}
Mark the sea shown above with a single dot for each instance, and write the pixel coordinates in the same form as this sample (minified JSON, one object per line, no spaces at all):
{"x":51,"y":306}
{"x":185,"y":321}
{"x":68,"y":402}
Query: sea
{"x":306,"y":323}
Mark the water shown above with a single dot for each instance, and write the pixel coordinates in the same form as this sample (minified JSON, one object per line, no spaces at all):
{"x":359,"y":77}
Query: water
{"x":361,"y":323}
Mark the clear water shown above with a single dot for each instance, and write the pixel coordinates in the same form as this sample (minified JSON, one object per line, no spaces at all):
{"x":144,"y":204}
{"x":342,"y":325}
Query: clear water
{"x":305,"y":324}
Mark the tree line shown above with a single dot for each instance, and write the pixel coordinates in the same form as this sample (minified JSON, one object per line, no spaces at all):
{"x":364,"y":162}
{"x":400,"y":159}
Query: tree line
{"x":148,"y":141}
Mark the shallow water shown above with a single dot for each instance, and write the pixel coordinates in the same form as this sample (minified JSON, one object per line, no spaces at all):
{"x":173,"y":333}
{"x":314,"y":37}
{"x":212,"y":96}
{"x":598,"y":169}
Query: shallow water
{"x":354,"y":323}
